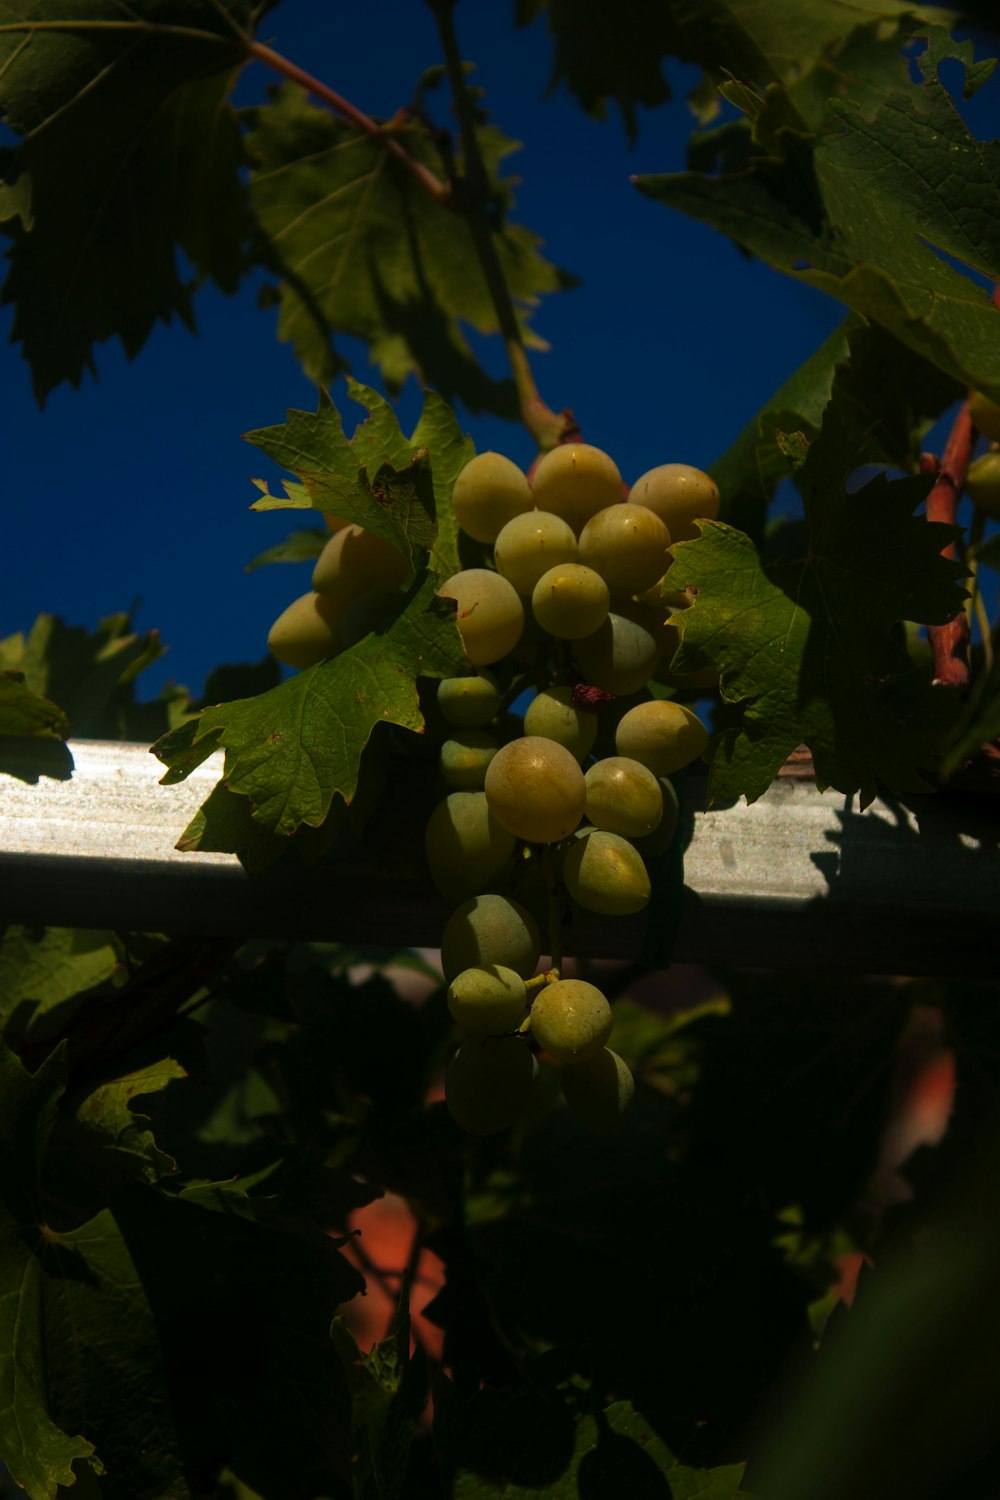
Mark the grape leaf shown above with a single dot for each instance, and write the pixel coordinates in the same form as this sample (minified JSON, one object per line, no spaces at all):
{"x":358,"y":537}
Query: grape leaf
{"x":23,"y":712}
{"x":364,"y":250}
{"x":138,"y":93}
{"x":88,"y":673}
{"x":304,"y":545}
{"x":388,"y":1392}
{"x":107,"y":1110}
{"x":45,"y":968}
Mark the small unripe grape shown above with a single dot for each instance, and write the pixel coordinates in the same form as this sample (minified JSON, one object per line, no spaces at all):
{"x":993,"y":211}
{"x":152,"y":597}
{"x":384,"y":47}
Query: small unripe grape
{"x":623,"y":797}
{"x":490,"y":929}
{"x":490,"y":616}
{"x":599,"y":1090}
{"x":530,"y":545}
{"x":678,"y":493}
{"x":487,"y":1084}
{"x":604,"y":873}
{"x":570,"y":1020}
{"x":983,"y":482}
{"x":985,"y":415}
{"x":535,"y":788}
{"x":570,"y":601}
{"x":652,"y":845}
{"x":627,"y":544}
{"x":466,"y":846}
{"x":355,"y":560}
{"x":488,"y":493}
{"x":464,"y":758}
{"x":623,"y":653}
{"x":469,"y":702}
{"x":488,"y":1000}
{"x":307,"y":632}
{"x":663,"y":735}
{"x":553,"y":715}
{"x":575,"y":481}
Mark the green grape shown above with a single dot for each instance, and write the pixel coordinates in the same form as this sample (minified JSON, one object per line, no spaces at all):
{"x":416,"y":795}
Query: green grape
{"x":535,"y":788}
{"x":570,"y":601}
{"x":623,"y":797}
{"x":678,"y":493}
{"x":662,"y":735}
{"x":983,"y":482}
{"x":490,"y":929}
{"x":355,"y":560}
{"x":488,"y":1000}
{"x":627,"y":544}
{"x":604,"y":873}
{"x":368,"y":612}
{"x":464,"y":758}
{"x":553,"y":715}
{"x":623,"y":653}
{"x":985,"y":415}
{"x":599,"y":1090}
{"x":530,"y":545}
{"x":490,"y":616}
{"x":488,"y":493}
{"x":307,"y":632}
{"x":487,"y":1084}
{"x":469,"y":702}
{"x":570,"y":1020}
{"x":466,"y":847}
{"x":575,"y":481}
{"x":652,"y":845}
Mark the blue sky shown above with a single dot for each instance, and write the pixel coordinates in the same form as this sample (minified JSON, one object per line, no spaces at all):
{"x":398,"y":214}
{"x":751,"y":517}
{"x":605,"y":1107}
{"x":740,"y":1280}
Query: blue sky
{"x":135,"y":489}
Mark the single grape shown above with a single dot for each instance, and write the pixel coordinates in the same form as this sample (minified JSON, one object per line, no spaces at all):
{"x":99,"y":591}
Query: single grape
{"x":623,"y":653}
{"x":307,"y":632}
{"x":627,"y":545}
{"x":466,"y":847}
{"x":488,"y":1000}
{"x":553,"y":715}
{"x":652,"y":845}
{"x":355,"y":560}
{"x":985,"y":415}
{"x":469,"y":702}
{"x":488,"y":493}
{"x":490,"y":929}
{"x":678,"y":493}
{"x":487,"y":1084}
{"x":535,"y":788}
{"x":530,"y":545}
{"x":570,"y":601}
{"x":623,"y":797}
{"x":368,"y":612}
{"x":490,"y":616}
{"x":464,"y":758}
{"x":604,"y":873}
{"x":662,"y":735}
{"x":983,"y":482}
{"x":599,"y":1090}
{"x":570,"y":1019}
{"x":575,"y":481}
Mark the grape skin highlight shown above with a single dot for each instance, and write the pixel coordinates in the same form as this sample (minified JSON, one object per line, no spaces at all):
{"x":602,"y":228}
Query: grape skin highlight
{"x":604,"y":873}
{"x":535,"y":788}
{"x":627,"y":545}
{"x":575,"y":481}
{"x":490,"y":616}
{"x":488,"y":1000}
{"x":678,"y":493}
{"x":570,"y":1019}
{"x":488,"y":493}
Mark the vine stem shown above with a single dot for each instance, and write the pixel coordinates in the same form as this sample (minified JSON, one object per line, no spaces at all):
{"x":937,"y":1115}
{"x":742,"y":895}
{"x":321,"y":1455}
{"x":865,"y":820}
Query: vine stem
{"x":950,"y":642}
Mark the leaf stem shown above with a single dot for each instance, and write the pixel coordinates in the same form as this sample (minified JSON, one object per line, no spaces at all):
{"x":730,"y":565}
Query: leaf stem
{"x":950,"y":642}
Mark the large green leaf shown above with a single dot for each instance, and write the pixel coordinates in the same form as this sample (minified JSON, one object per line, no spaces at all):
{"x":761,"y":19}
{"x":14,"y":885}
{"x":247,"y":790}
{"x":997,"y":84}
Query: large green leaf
{"x":40,"y":970}
{"x":131,"y":152}
{"x":388,"y":1392}
{"x":107,"y":1110}
{"x":362,"y":249}
{"x":24,"y":712}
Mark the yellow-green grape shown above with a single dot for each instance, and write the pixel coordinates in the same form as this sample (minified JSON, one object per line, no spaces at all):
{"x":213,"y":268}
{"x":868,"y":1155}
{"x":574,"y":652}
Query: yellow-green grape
{"x":368,"y":612}
{"x":570,"y":601}
{"x":623,"y":797}
{"x":623,"y":653}
{"x":488,"y":493}
{"x":627,"y":544}
{"x":599,"y":1090}
{"x":488,"y":1000}
{"x":535,"y":788}
{"x":553,"y":715}
{"x":466,"y":847}
{"x":530,"y":545}
{"x":652,"y":845}
{"x":575,"y":481}
{"x":469,"y":702}
{"x":679,"y":494}
{"x":664,"y":736}
{"x":490,"y":615}
{"x":487,"y":1084}
{"x":355,"y":560}
{"x":570,"y":1020}
{"x":983,"y":482}
{"x":604,"y":873}
{"x":307,"y":632}
{"x":490,"y":929}
{"x":464,"y":758}
{"x":985,"y":415}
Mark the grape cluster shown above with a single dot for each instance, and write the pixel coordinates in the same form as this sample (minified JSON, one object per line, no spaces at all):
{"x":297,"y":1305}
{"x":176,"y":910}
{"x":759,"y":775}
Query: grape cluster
{"x":567,"y":809}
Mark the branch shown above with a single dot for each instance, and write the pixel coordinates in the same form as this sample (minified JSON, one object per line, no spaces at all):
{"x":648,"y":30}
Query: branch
{"x":950,"y":642}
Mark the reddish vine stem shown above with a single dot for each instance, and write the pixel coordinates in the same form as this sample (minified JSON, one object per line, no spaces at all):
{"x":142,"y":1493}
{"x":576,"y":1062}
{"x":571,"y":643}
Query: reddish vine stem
{"x":950,"y":642}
